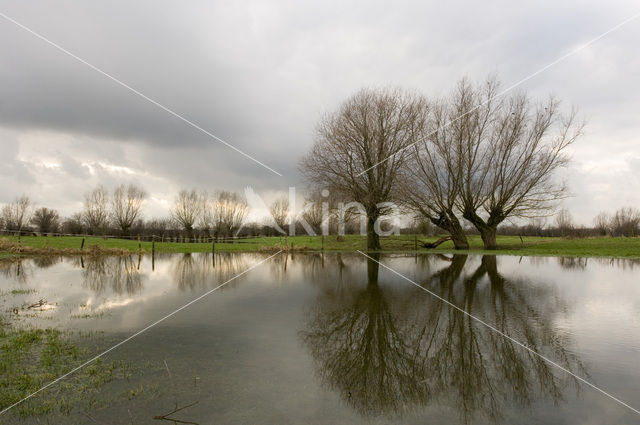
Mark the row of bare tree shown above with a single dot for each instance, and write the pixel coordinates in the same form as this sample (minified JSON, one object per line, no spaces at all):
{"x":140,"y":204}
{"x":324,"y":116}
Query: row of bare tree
{"x":623,"y":222}
{"x":476,"y":155}
{"x":220,"y":214}
{"x":121,"y":210}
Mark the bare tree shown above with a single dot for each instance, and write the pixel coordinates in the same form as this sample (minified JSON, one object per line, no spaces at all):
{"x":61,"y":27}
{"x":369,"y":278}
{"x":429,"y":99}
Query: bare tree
{"x":625,"y":222}
{"x":509,"y":151}
{"x":16,"y":215}
{"x":187,"y":208}
{"x":223,"y":213}
{"x":126,"y":205}
{"x":312,"y":212}
{"x":361,"y":147}
{"x":158,"y":226}
{"x":279,"y":211}
{"x":46,"y":220}
{"x":230,"y":211}
{"x":601,"y":223}
{"x":564,"y":222}
{"x":207,"y":218}
{"x":95,"y":212}
{"x":535,"y":226}
{"x":321,"y":212}
{"x":433,"y":176}
{"x":74,"y":225}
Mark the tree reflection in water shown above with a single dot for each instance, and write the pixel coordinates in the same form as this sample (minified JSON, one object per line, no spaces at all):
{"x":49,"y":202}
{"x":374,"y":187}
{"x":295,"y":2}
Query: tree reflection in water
{"x":17,"y":271}
{"x":203,"y":270}
{"x":120,"y":274}
{"x":389,"y":350}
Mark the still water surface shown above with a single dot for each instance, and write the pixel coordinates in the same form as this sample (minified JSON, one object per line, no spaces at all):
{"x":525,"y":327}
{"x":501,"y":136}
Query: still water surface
{"x":334,"y":338}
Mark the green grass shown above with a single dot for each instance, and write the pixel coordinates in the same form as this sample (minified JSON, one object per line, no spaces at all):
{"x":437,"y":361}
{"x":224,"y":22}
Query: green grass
{"x":547,"y":246}
{"x":508,"y":245}
{"x":31,"y":358}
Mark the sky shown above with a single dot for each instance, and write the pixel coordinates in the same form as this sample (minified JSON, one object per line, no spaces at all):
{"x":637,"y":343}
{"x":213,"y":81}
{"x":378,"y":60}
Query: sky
{"x":261,"y":74}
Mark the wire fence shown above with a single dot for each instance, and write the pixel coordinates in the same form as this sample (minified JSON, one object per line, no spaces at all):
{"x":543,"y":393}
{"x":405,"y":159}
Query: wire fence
{"x":144,"y":237}
{"x":208,"y":239}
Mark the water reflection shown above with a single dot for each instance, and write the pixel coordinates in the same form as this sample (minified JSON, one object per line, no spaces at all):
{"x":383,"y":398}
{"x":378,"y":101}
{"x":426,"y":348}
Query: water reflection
{"x":576,"y":263}
{"x":120,"y":274}
{"x":201,"y":270}
{"x":388,"y":350}
{"x":17,"y":271}
{"x":45,"y":262}
{"x":334,"y":338}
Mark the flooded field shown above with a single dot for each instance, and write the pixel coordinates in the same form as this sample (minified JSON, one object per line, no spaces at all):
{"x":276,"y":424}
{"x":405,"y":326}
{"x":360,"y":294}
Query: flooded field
{"x":320,"y":339}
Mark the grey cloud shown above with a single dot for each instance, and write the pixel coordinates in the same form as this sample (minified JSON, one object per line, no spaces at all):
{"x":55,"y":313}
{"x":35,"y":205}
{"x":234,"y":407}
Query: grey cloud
{"x":260,"y":74}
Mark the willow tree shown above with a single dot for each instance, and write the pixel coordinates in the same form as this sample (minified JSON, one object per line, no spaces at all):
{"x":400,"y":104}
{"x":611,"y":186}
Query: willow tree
{"x":126,"y":206}
{"x":16,"y":215}
{"x":230,"y":210}
{"x":95,"y":214}
{"x":280,"y":211}
{"x":187,"y":208}
{"x":509,"y":149}
{"x":431,"y":180}
{"x":362,"y":146}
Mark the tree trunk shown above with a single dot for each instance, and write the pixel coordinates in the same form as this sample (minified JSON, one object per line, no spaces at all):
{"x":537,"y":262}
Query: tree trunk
{"x":373,"y":239}
{"x":436,"y":243}
{"x":372,"y":269}
{"x":458,"y":237}
{"x":487,"y":229}
{"x":488,"y":235}
{"x":451,"y":224}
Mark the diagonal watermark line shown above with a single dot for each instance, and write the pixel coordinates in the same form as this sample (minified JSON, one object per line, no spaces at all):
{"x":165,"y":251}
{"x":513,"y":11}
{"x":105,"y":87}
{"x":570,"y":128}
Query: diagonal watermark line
{"x":499,"y":332}
{"x":131,"y":89}
{"x":508,"y":89}
{"x":58,"y":379}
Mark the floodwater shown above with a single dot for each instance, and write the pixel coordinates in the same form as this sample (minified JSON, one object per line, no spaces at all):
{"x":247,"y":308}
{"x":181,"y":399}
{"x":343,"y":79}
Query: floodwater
{"x":335,"y":338}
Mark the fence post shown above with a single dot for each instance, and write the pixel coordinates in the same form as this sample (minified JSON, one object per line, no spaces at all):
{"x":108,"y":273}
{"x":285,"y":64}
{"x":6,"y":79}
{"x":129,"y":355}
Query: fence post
{"x":323,"y":242}
{"x":153,"y":253}
{"x":415,"y":242}
{"x":139,"y":245}
{"x":213,"y":246}
{"x":82,"y":245}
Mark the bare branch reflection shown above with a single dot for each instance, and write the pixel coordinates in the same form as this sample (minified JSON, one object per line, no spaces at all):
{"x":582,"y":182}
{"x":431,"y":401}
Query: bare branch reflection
{"x":18,"y":271}
{"x":120,"y":274}
{"x":202,"y":270}
{"x":388,"y":350}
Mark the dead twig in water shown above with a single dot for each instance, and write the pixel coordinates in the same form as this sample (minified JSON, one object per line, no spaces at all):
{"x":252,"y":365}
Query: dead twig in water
{"x":167,"y":367}
{"x":40,"y":303}
{"x":94,"y":419}
{"x":166,"y":417}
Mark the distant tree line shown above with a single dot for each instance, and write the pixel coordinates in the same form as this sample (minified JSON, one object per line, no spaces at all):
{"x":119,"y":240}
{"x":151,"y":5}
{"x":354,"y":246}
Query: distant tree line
{"x":622,"y":222}
{"x":194,"y":215}
{"x":197,"y":216}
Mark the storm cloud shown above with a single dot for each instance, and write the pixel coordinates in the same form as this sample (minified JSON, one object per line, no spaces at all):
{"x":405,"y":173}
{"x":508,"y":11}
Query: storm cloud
{"x":260,"y":75}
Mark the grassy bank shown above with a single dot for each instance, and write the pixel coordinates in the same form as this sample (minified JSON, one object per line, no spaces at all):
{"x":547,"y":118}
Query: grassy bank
{"x":509,"y":245}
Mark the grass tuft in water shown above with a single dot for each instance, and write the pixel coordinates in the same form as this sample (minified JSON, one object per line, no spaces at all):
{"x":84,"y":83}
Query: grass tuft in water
{"x":31,"y":358}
